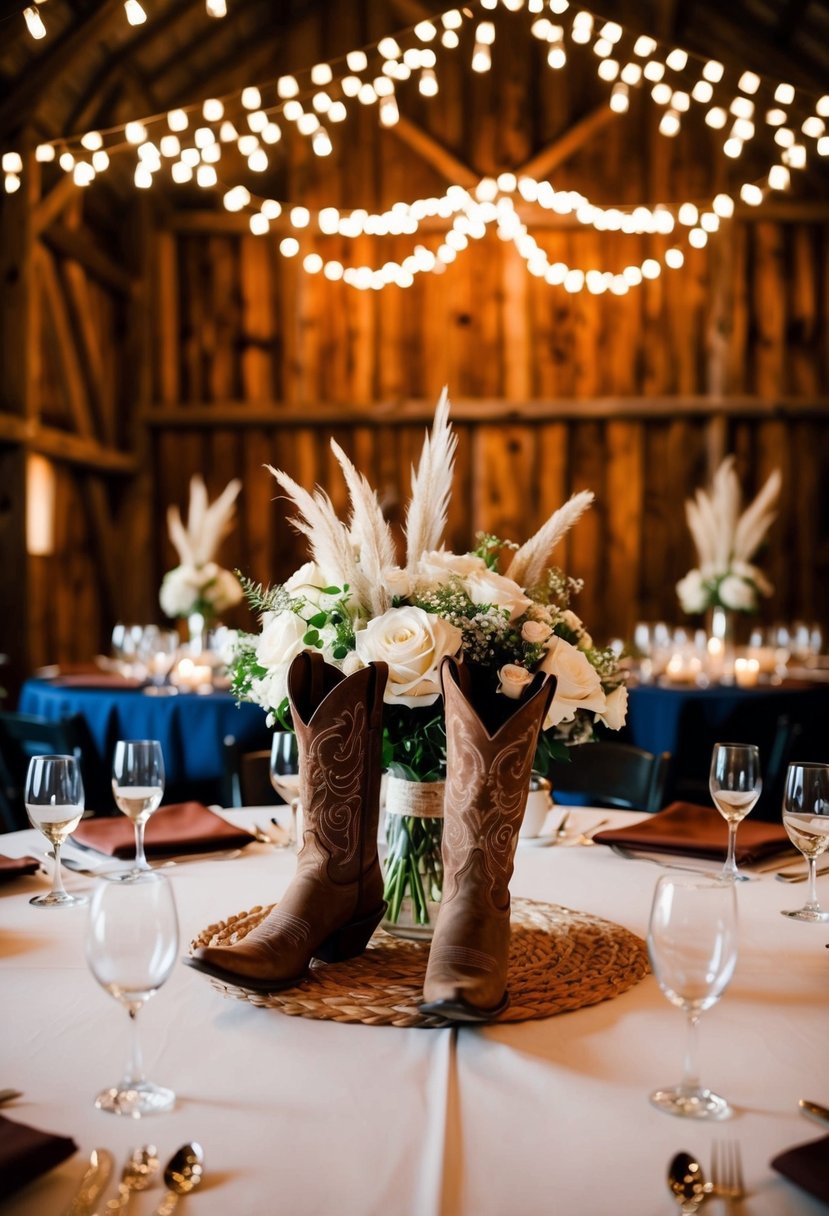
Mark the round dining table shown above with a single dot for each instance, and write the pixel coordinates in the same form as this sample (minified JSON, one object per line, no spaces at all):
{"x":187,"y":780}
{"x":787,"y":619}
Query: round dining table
{"x":320,"y":1118}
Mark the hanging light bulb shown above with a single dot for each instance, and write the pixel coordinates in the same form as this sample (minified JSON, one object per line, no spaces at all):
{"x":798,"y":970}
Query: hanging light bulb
{"x":45,"y":153}
{"x":481,"y":58}
{"x":428,"y":83}
{"x":177,"y":120}
{"x":215,"y":8}
{"x":34,"y":21}
{"x":779,"y":177}
{"x":619,"y":97}
{"x":135,"y":13}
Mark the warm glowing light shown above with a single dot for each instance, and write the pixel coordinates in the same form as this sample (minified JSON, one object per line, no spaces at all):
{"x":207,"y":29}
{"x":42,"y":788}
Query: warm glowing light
{"x":716,"y":118}
{"x":723,"y":206}
{"x":12,"y":162}
{"x":784,"y":94}
{"x":213,"y":109}
{"x":92,"y":141}
{"x":206,"y":176}
{"x":713,"y":71}
{"x":251,"y":98}
{"x":135,"y":133}
{"x":751,"y":194}
{"x":45,"y":153}
{"x":177,"y":120}
{"x":35,"y":26}
{"x":749,"y":82}
{"x":619,"y":98}
{"x":779,"y":177}
{"x":677,"y":60}
{"x":135,"y":13}
{"x":215,"y":8}
{"x":289,"y":247}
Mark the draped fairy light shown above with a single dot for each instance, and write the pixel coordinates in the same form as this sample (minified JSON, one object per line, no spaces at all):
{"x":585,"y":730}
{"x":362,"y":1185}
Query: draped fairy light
{"x":133,"y":11}
{"x":188,"y":143}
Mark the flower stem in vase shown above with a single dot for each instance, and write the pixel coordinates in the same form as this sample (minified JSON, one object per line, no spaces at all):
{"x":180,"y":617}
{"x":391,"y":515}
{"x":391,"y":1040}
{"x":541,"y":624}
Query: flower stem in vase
{"x":414,"y":864}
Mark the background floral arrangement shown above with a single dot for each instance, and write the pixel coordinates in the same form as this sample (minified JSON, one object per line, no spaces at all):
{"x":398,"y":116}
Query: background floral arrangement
{"x":726,"y":540}
{"x":355,"y":603}
{"x":198,"y":584}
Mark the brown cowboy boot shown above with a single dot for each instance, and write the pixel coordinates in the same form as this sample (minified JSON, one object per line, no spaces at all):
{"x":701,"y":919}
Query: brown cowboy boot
{"x":335,"y":900}
{"x":491,"y":743}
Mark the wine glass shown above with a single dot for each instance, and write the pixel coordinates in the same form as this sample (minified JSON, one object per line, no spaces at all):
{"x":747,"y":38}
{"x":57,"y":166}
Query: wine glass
{"x":806,"y":820}
{"x":54,"y":803}
{"x":131,"y":947}
{"x":284,"y":771}
{"x":735,"y":784}
{"x":138,"y":785}
{"x":692,"y":944}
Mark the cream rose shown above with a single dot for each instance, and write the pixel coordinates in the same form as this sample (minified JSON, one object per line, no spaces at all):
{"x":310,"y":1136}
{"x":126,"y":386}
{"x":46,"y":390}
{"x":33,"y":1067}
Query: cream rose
{"x":397,"y":582}
{"x":692,"y":592}
{"x":280,"y":640}
{"x":413,"y":643}
{"x":487,"y":587}
{"x":513,"y":680}
{"x":437,"y":564}
{"x":737,"y":594}
{"x":616,"y":708}
{"x":535,"y":632}
{"x":578,"y":684}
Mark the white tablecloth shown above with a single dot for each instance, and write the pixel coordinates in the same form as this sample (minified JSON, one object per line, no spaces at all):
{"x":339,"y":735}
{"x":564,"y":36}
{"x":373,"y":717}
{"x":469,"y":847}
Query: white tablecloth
{"x":312,"y":1118}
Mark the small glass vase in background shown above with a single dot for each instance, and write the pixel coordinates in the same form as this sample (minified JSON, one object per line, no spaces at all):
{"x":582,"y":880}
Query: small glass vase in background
{"x":720,"y":627}
{"x":414,"y":863}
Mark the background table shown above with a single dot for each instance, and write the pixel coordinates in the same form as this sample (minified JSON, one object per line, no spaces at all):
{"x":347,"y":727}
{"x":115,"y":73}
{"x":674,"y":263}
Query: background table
{"x":319,"y":1119}
{"x":190,"y":728}
{"x":687,"y":722}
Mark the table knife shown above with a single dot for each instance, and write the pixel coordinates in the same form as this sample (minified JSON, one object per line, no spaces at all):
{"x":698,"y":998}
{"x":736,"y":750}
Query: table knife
{"x":813,"y":1110}
{"x":93,"y":1184}
{"x":799,"y":875}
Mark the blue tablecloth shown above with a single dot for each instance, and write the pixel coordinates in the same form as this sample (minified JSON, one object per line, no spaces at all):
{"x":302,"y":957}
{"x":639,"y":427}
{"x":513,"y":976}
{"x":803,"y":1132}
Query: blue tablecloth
{"x":190,"y":728}
{"x":786,"y":722}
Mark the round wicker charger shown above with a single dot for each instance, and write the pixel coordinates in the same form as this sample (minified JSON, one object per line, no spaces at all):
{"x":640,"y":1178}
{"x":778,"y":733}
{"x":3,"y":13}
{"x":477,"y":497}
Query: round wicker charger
{"x":559,"y":960}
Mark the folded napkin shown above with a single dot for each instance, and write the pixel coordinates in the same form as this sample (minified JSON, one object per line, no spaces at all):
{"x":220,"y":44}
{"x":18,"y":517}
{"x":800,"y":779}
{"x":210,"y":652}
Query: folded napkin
{"x":16,"y":867}
{"x":184,"y":827}
{"x":25,"y":1153}
{"x":806,"y":1165}
{"x":698,"y":831}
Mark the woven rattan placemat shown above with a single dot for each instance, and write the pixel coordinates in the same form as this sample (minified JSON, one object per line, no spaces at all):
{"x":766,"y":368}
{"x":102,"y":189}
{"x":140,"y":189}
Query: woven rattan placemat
{"x":559,"y":960}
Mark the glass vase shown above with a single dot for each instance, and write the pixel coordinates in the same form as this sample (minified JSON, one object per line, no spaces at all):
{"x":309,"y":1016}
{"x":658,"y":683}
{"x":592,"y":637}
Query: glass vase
{"x":721,"y":644}
{"x":414,"y":863}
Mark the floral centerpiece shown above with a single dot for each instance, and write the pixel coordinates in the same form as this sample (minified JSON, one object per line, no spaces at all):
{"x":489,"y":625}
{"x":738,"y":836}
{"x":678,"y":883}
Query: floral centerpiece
{"x":355,"y":602}
{"x":198,"y":587}
{"x":726,"y":540}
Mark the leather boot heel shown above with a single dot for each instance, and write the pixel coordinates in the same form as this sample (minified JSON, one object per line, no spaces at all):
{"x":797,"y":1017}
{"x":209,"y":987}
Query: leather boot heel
{"x":351,"y":939}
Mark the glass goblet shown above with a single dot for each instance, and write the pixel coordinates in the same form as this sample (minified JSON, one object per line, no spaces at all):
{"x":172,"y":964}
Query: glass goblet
{"x":131,"y":948}
{"x":284,"y":773}
{"x":138,"y":786}
{"x":54,"y":801}
{"x":806,"y":820}
{"x":692,"y":944}
{"x":735,"y":784}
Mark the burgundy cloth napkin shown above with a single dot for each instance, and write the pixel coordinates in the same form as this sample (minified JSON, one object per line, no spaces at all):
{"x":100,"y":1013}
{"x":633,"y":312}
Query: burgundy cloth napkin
{"x":184,"y":827}
{"x":26,"y":1153}
{"x":807,"y":1165}
{"x":16,"y":867}
{"x":698,"y":831}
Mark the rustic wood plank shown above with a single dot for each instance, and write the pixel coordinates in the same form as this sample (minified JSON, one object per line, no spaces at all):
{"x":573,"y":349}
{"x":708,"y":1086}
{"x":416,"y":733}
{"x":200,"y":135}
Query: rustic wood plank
{"x":77,"y":245}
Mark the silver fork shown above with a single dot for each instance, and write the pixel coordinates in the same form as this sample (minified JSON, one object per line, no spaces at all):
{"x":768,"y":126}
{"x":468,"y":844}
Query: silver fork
{"x":727,"y":1171}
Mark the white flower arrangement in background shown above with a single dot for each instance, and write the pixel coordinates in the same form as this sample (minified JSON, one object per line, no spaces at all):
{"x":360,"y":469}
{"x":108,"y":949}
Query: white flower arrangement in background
{"x":198,"y":584}
{"x":355,"y":603}
{"x":726,"y":540}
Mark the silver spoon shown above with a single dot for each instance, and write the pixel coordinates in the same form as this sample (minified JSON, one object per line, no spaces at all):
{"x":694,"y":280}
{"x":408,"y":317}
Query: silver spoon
{"x":138,"y":1173}
{"x":687,"y":1183}
{"x":182,"y":1174}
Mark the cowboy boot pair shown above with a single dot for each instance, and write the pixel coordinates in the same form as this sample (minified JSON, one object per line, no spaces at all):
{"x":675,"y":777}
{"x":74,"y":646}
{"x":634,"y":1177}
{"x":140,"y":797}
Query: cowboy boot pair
{"x":491,"y":742}
{"x":335,"y":900}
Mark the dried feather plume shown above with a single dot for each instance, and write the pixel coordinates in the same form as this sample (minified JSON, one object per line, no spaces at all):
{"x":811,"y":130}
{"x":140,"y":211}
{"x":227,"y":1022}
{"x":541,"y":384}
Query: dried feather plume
{"x":369,"y":532}
{"x":196,"y":541}
{"x":428,"y":507}
{"x":532,"y":559}
{"x":722,"y":534}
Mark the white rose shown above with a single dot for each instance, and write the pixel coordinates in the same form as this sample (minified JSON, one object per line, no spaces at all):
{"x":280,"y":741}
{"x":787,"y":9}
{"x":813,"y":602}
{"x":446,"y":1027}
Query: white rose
{"x":736,"y":593}
{"x":487,"y":587}
{"x":573,"y":622}
{"x":413,"y":643}
{"x":535,"y":632}
{"x":224,"y":590}
{"x":307,"y":578}
{"x":578,"y":687}
{"x":397,"y":582}
{"x":438,"y":564}
{"x":351,"y":663}
{"x":280,"y":640}
{"x":513,"y":680}
{"x":616,"y":708}
{"x":692,"y":592}
{"x":179,"y":591}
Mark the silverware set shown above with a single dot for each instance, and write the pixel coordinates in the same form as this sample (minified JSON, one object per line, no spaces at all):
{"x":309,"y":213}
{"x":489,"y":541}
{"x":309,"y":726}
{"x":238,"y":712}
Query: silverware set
{"x":688,"y":1185}
{"x":181,"y":1175}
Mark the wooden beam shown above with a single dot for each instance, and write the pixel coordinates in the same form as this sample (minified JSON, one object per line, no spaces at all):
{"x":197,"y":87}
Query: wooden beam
{"x":73,"y":372}
{"x":542,"y":163}
{"x":48,"y":208}
{"x":445,"y":162}
{"x":41,"y":77}
{"x":404,"y":413}
{"x":75,"y":244}
{"x":63,"y":446}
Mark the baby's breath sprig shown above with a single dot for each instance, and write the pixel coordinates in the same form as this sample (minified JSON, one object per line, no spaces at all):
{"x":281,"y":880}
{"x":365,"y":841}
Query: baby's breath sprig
{"x":489,"y":547}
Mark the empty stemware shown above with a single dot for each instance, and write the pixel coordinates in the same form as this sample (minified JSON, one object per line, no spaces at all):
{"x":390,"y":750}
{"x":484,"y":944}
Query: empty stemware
{"x":735,"y":784}
{"x":806,"y":820}
{"x":692,"y":943}
{"x":54,"y":801}
{"x":131,"y":948}
{"x":138,"y":786}
{"x":284,"y":772}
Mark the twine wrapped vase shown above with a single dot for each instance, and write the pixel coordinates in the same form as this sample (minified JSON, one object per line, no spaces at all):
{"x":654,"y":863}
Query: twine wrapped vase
{"x":414,"y":864}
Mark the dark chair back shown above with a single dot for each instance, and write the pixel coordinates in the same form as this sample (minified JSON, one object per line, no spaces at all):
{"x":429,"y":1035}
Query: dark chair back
{"x":23,"y":736}
{"x":246,"y":778}
{"x":614,"y":775}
